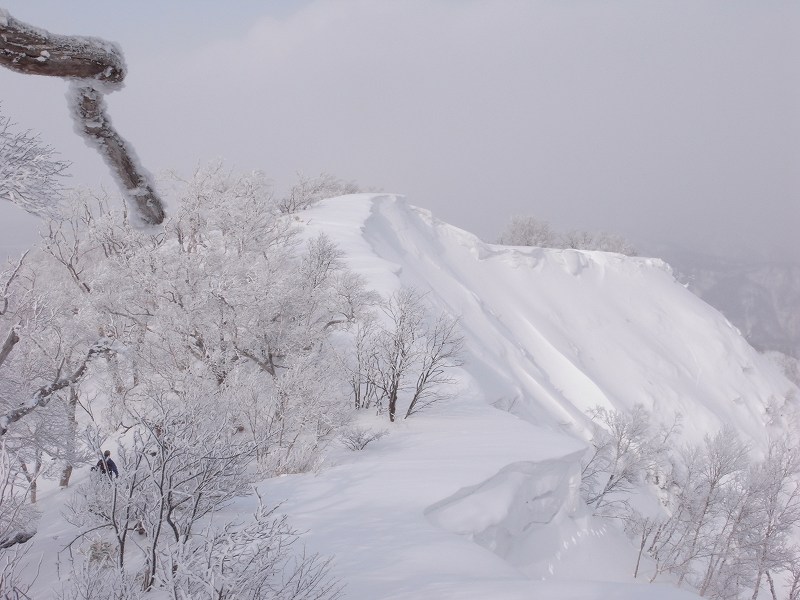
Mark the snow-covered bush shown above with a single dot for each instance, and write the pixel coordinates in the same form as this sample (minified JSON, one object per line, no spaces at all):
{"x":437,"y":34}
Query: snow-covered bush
{"x":529,"y":231}
{"x":310,"y":190}
{"x":256,"y":561}
{"x":357,"y":438}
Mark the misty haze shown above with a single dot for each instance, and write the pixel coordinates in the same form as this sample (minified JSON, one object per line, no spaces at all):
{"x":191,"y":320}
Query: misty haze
{"x":368,"y":299}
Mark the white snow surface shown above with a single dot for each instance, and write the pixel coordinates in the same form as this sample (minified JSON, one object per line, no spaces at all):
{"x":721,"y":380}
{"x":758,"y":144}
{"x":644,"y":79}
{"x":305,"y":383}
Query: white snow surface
{"x":477,"y":497}
{"x":552,"y":333}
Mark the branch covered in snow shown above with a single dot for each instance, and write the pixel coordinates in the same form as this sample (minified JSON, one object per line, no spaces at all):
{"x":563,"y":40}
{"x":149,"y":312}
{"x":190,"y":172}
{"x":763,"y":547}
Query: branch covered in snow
{"x":33,"y":51}
{"x":29,"y":172}
{"x":43,"y":395}
{"x":91,"y":121}
{"x":9,"y":277}
{"x":96,"y":66}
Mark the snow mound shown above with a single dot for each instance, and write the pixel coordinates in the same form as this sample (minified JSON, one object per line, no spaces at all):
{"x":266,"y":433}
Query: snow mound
{"x":516,"y":503}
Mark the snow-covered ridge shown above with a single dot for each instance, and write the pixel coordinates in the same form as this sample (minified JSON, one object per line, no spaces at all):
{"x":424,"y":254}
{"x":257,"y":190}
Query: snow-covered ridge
{"x":478,"y":497}
{"x":552,"y":333}
{"x":467,"y":501}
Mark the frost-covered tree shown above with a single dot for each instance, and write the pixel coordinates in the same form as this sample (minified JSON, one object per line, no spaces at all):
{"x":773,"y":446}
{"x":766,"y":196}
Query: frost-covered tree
{"x":625,"y":450}
{"x":397,"y":344}
{"x":529,"y":231}
{"x":726,"y":524}
{"x":30,"y":171}
{"x":51,"y":347}
{"x":211,"y":302}
{"x":776,"y":496}
{"x":219,"y":372}
{"x":310,"y":190}
{"x":359,"y":363}
{"x":402,"y":352}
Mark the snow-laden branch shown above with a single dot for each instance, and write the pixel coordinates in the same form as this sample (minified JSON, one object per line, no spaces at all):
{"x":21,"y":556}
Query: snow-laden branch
{"x":95,"y":66}
{"x":88,"y":109}
{"x":33,"y":51}
{"x":30,"y":172}
{"x":9,"y":280}
{"x":44,"y":394}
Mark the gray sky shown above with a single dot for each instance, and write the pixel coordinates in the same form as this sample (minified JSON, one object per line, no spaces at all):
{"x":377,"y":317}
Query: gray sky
{"x":663,"y":120}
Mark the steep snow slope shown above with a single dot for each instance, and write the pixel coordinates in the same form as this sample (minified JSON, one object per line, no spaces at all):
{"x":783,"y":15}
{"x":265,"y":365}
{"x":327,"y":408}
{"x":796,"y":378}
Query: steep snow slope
{"x":466,"y":501}
{"x":555,"y":332}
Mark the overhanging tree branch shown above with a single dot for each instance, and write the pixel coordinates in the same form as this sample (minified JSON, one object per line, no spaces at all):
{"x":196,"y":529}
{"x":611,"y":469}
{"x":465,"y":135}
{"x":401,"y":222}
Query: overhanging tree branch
{"x":44,"y":394}
{"x":88,"y":108}
{"x":34,"y":51}
{"x":95,"y":66}
{"x":9,"y":281}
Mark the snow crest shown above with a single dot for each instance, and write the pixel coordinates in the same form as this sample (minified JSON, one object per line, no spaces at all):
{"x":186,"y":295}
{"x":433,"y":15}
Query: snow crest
{"x":552,"y":333}
{"x":515,"y":507}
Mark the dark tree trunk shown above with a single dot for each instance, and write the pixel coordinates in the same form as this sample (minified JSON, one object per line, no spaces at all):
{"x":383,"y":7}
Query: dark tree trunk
{"x":96,"y":66}
{"x":72,"y":415}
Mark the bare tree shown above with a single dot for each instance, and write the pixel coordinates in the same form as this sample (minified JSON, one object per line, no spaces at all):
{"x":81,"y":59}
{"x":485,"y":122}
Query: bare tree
{"x":441,"y":351}
{"x":398,"y":349}
{"x":310,"y":190}
{"x":642,"y":529}
{"x":30,"y":174}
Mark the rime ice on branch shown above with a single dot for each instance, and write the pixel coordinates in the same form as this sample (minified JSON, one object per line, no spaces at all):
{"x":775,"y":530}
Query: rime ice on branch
{"x":95,"y":67}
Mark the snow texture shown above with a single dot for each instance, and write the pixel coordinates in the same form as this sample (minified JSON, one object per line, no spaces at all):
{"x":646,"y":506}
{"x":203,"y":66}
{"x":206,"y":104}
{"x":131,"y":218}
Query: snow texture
{"x":550,"y":333}
{"x":476,"y":498}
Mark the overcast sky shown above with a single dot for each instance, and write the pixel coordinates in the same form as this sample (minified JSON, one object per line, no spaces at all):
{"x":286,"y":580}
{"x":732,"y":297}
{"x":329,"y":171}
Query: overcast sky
{"x":667,"y":121}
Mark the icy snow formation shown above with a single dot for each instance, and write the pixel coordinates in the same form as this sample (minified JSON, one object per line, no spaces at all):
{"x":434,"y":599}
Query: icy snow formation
{"x":510,"y":506}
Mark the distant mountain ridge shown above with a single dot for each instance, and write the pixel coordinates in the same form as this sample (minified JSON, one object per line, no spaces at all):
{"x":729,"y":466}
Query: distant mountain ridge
{"x":762,"y":299}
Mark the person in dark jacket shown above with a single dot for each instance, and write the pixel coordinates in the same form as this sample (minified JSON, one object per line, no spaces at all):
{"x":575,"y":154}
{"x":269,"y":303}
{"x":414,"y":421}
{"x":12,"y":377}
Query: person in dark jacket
{"x":107,"y":466}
